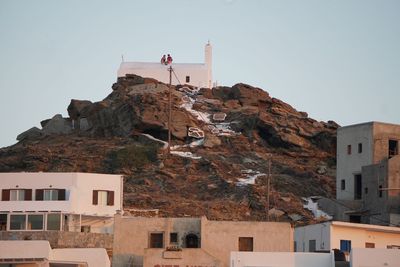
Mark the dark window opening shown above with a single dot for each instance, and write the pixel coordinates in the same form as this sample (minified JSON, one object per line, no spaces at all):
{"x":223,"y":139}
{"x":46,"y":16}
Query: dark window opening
{"x":349,"y":149}
{"x":295,"y":246}
{"x":156,"y":240}
{"x":85,"y":228}
{"x":369,"y":245}
{"x":393,"y":148}
{"x":357,"y":186}
{"x":359,"y":147}
{"x":312,"y":245}
{"x":345,"y":245}
{"x":355,"y":218}
{"x":366,"y":190}
{"x":188,"y":79}
{"x":380,"y":191}
{"x":343,"y":184}
{"x":192,"y":241}
{"x":245,"y":244}
{"x":173,"y":237}
{"x":3,"y":222}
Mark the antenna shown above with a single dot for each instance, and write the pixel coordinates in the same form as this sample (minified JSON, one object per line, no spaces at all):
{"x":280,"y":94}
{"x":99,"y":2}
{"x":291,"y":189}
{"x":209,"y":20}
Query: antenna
{"x":122,"y":57}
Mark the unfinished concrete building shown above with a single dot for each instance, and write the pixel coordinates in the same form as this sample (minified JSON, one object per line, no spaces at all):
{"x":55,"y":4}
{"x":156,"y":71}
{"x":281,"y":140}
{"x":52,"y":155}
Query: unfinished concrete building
{"x":367,"y":179}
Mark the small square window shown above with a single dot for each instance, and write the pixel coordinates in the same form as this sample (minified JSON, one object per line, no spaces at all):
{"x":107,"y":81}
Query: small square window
{"x":173,"y":237}
{"x":245,"y":244}
{"x":349,"y":150}
{"x":360,"y":148}
{"x":188,"y":79}
{"x":156,"y":240}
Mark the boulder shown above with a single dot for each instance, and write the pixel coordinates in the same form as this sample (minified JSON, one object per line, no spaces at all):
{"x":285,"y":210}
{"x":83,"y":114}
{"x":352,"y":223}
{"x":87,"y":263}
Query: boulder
{"x":211,"y":141}
{"x":57,"y":125}
{"x":76,"y":107}
{"x":31,"y":134}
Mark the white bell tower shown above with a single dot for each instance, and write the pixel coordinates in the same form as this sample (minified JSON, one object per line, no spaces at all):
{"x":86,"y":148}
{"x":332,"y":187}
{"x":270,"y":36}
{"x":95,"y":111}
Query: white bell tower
{"x":208,"y":63}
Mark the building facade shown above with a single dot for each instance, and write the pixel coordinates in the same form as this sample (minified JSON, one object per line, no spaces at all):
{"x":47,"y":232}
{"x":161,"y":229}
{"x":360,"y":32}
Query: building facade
{"x":195,"y":74}
{"x":74,"y":202}
{"x":345,"y":236}
{"x":193,"y":241}
{"x":368,"y":179}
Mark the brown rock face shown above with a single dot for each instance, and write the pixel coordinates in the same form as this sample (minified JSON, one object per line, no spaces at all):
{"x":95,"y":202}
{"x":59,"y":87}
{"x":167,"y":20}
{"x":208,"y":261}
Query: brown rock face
{"x":221,"y":175}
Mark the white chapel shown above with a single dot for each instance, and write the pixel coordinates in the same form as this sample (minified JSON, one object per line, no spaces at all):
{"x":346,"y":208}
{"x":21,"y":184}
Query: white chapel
{"x":195,"y":74}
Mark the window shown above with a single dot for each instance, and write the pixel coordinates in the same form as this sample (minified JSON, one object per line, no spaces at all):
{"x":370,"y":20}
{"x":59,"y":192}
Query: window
{"x":393,"y":148}
{"x":312,"y":245}
{"x":345,"y":245}
{"x":192,"y":241}
{"x":295,"y":246}
{"x":359,"y":148}
{"x":349,"y":150}
{"x":156,"y":240}
{"x":103,"y":198}
{"x":17,"y":222}
{"x":369,"y":245}
{"x":16,"y":194}
{"x":380,"y":191}
{"x":173,"y":237}
{"x":35,"y":222}
{"x":245,"y":244}
{"x":54,"y":221}
{"x":393,"y":247}
{"x":50,"y":194}
{"x":3,"y":222}
{"x":357,"y":186}
{"x":85,"y":228}
{"x":343,"y":184}
{"x":188,"y":79}
{"x":366,"y":190}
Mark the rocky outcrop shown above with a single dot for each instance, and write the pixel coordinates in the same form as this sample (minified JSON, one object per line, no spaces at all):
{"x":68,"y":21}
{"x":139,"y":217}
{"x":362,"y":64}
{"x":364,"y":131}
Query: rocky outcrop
{"x":221,"y":175}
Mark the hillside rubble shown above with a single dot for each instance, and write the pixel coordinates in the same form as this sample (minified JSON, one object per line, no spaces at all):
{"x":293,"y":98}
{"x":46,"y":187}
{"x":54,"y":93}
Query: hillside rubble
{"x":222,"y":140}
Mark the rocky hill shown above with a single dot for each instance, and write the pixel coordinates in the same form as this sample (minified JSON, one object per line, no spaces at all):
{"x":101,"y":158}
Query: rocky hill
{"x":222,"y":141}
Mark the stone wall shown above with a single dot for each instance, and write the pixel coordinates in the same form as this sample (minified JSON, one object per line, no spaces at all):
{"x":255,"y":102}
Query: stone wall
{"x":60,"y":239}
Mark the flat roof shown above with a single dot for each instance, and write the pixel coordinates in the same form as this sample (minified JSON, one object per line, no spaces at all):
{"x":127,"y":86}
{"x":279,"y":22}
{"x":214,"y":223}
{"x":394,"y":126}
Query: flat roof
{"x":368,"y":123}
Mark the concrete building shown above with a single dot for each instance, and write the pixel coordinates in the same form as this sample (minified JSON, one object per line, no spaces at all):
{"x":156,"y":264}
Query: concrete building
{"x":39,"y":253}
{"x":368,"y":179}
{"x":193,"y":241}
{"x":345,"y":236}
{"x":195,"y":74}
{"x":75,"y":202}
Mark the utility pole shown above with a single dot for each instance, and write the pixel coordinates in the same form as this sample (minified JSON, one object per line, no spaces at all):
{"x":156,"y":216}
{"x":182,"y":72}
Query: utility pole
{"x":169,"y":109}
{"x":268,"y":184}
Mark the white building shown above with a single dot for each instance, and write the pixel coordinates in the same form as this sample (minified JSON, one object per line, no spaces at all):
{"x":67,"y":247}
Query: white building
{"x":195,"y":74}
{"x":73,"y":202}
{"x":345,"y":236}
{"x":39,"y":253}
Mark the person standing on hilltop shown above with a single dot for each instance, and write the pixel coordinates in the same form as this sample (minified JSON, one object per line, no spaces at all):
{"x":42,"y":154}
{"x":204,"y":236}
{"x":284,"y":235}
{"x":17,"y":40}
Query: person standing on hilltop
{"x":163,"y":60}
{"x":169,"y":59}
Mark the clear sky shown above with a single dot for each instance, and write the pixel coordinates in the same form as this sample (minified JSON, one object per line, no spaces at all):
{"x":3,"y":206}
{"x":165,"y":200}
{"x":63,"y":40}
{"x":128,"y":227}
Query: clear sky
{"x":337,"y":60}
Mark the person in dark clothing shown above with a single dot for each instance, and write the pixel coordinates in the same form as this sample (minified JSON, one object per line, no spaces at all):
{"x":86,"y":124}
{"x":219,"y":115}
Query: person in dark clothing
{"x":164,"y":60}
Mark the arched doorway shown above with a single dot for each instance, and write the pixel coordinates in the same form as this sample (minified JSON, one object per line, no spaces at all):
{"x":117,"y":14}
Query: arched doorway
{"x":192,"y":241}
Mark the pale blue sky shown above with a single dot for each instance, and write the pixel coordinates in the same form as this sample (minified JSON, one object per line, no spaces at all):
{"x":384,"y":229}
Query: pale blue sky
{"x":336,"y":60}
